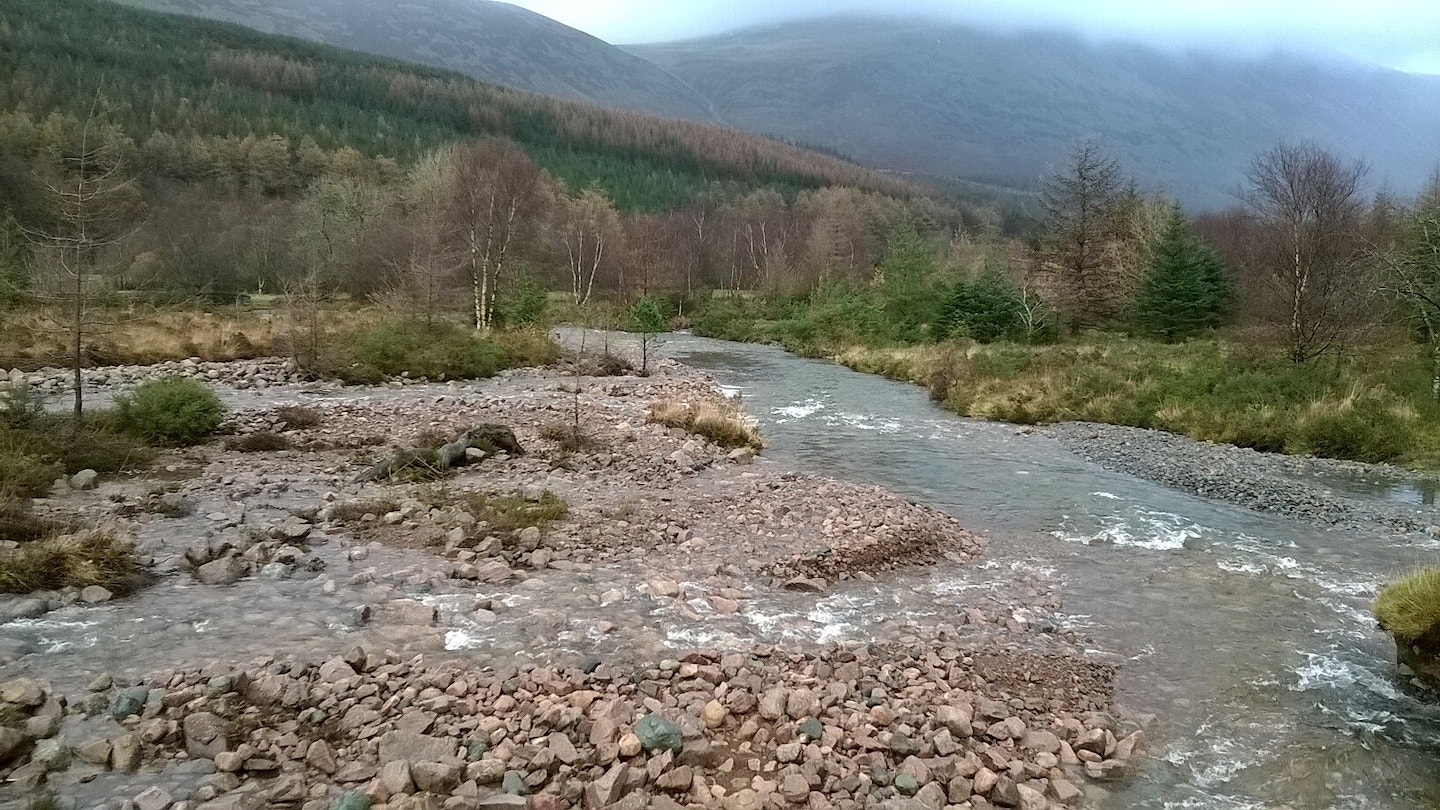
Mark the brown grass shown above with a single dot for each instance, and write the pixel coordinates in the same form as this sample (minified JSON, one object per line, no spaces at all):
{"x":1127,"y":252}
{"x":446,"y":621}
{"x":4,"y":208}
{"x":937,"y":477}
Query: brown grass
{"x":259,"y":442}
{"x":353,"y":511}
{"x":298,"y":417}
{"x":89,"y":557}
{"x":721,"y":422}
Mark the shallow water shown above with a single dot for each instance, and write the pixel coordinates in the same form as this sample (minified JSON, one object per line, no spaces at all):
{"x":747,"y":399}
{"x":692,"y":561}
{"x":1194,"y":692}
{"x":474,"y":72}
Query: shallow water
{"x":1248,"y":635}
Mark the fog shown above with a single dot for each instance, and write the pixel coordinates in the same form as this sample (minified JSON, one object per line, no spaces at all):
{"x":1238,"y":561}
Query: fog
{"x":1401,"y":34}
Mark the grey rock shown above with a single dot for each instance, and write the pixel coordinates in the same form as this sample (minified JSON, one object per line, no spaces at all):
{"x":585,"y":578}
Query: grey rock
{"x":205,"y":735}
{"x":85,"y":479}
{"x":221,"y":572}
{"x":154,"y":798}
{"x":24,"y":692}
{"x":513,"y":783}
{"x":129,"y":701}
{"x":13,"y":743}
{"x":94,"y":595}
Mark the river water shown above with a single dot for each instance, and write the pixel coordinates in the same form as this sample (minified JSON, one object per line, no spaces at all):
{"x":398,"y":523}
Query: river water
{"x":1248,"y":635}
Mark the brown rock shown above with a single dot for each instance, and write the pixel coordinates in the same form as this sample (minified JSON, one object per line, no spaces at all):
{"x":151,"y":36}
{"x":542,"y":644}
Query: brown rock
{"x":395,"y":776}
{"x":440,"y":778}
{"x":608,"y":789}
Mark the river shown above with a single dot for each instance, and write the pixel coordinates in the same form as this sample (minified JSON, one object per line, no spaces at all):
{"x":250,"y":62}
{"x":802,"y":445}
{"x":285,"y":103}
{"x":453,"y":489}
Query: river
{"x":1248,"y":635}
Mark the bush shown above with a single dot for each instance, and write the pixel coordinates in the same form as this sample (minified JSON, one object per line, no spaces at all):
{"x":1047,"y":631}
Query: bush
{"x":259,"y":442}
{"x":174,"y":410}
{"x":1409,"y":608}
{"x":1361,"y":431}
{"x":297,"y":417}
{"x":24,"y":473}
{"x":20,"y":407}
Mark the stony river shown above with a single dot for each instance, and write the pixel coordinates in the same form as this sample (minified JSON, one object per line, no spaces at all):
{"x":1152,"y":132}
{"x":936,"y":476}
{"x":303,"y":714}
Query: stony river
{"x":1247,"y":635}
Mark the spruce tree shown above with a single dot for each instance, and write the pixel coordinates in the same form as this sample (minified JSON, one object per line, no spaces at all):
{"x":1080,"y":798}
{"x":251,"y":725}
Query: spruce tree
{"x":1185,"y":290}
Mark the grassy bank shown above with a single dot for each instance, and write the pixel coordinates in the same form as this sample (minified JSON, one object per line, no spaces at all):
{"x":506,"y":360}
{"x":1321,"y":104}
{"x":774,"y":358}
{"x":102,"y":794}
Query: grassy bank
{"x":1371,"y":406}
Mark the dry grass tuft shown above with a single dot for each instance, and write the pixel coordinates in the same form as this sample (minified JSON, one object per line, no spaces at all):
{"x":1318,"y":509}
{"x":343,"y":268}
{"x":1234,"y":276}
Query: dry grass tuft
{"x":354,"y":511}
{"x":89,"y":557}
{"x":570,"y":437}
{"x":297,"y":417}
{"x":721,"y":422}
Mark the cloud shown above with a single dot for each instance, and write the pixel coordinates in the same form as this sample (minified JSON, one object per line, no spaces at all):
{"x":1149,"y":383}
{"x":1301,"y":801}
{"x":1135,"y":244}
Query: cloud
{"x":1397,"y":33}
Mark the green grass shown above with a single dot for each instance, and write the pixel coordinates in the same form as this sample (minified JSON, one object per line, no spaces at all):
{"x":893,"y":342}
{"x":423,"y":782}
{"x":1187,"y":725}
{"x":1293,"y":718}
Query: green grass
{"x":1409,"y":608}
{"x":1373,"y":406}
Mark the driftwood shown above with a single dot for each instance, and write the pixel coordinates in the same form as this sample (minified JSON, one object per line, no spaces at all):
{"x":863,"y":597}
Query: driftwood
{"x":472,"y":445}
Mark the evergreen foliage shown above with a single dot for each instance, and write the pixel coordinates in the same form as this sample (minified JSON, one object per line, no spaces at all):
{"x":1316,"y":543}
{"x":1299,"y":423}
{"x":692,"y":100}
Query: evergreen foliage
{"x":985,"y":309}
{"x":1185,"y":290}
{"x":172,"y":410}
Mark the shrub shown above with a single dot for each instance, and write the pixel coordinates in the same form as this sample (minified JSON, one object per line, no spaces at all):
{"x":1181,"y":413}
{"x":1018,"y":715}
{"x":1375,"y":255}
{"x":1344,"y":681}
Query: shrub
{"x":259,"y":442}
{"x":20,"y":407}
{"x":721,"y":423}
{"x":509,"y":514}
{"x":570,"y":437}
{"x":18,"y":524}
{"x":23,"y":473}
{"x":1409,"y":607}
{"x":91,"y":557}
{"x":1362,"y":431}
{"x":438,"y":352}
{"x":297,"y":417}
{"x":173,"y":410}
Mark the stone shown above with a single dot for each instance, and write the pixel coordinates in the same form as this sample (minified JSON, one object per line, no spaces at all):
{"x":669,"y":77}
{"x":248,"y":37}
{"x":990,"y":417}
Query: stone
{"x":906,"y":784}
{"x":806,"y":585}
{"x":1041,"y":741}
{"x":630,"y":745}
{"x":1008,"y":729}
{"x":1030,"y":799}
{"x":227,"y":571}
{"x":772,"y":703}
{"x":678,"y":780}
{"x":608,"y":789}
{"x":125,"y":753}
{"x":12,"y":744}
{"x":562,"y":747}
{"x":95,"y":752}
{"x":503,"y":801}
{"x":903,"y":746}
{"x":85,"y":479}
{"x":95,"y":594}
{"x":789,"y":752}
{"x":289,"y":788}
{"x":100,"y":683}
{"x":351,"y":800}
{"x":395,"y":776}
{"x":154,"y":798}
{"x":658,"y":734}
{"x":320,"y":757}
{"x":746,"y":799}
{"x":664,"y":588}
{"x":53,"y":754}
{"x":23,"y":692}
{"x":437,"y":777}
{"x":204,"y":735}
{"x":42,"y":726}
{"x":513,"y":783}
{"x":795,"y":789}
{"x":812,"y":729}
{"x":416,"y":747}
{"x":1065,"y":791}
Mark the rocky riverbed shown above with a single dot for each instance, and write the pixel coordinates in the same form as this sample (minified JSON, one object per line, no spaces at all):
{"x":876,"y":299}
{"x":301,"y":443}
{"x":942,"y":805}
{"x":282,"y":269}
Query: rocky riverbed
{"x":1314,"y":490}
{"x":676,"y":636}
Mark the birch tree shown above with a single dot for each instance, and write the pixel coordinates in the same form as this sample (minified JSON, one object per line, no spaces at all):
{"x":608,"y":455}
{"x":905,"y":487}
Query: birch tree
{"x":499,"y":194}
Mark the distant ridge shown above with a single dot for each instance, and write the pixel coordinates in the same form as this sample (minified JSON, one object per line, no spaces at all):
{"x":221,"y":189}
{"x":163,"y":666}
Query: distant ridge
{"x":496,"y":42}
{"x":943,"y":98}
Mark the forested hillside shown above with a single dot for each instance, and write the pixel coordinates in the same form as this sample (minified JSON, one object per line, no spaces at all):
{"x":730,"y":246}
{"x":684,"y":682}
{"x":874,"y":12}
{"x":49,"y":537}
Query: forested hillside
{"x":187,"y":90}
{"x":484,"y":39}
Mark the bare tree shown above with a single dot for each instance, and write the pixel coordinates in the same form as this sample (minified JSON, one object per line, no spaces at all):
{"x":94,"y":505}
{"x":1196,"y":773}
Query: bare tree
{"x":590,"y":228}
{"x":1309,"y":207}
{"x":1413,"y":272}
{"x":499,"y":194}
{"x":1085,"y":205}
{"x":95,"y":201}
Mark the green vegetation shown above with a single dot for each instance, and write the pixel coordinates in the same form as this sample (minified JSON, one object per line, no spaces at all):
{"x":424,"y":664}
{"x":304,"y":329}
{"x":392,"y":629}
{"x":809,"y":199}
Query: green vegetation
{"x":1409,"y":608}
{"x":173,"y":411}
{"x":1184,"y":291}
{"x":647,"y":316}
{"x":442,"y":351}
{"x":1370,"y":408}
{"x":508,"y":515}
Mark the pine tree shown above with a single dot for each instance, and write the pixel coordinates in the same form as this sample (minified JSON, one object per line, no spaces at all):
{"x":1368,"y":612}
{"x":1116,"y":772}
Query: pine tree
{"x":1185,"y":289}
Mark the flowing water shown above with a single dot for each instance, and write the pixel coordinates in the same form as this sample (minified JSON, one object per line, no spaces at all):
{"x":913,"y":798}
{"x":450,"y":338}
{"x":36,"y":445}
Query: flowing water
{"x":1248,"y":635}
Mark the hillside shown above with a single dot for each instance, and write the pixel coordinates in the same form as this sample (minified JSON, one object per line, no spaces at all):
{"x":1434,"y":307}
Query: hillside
{"x":488,"y":40}
{"x":199,"y":83}
{"x":942,"y":98}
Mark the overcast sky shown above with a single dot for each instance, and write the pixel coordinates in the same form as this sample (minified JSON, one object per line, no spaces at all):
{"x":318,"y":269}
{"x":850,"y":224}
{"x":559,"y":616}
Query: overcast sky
{"x":1403,"y":34}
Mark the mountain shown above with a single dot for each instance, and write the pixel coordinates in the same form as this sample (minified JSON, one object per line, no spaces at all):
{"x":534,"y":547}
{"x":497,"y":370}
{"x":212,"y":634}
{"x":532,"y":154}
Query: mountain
{"x":942,"y":98}
{"x":492,"y":41}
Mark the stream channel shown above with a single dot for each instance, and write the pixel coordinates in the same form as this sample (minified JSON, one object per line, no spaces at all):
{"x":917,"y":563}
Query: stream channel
{"x":1248,"y":635}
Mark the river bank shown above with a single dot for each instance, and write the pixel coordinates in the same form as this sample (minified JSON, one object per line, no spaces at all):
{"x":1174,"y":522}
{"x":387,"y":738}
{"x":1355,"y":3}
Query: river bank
{"x":309,"y":635}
